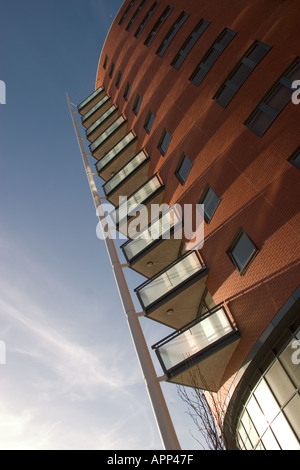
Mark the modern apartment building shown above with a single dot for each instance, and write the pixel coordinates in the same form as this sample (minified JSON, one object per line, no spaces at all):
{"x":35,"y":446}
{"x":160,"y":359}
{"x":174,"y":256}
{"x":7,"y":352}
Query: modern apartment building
{"x":193,"y":105}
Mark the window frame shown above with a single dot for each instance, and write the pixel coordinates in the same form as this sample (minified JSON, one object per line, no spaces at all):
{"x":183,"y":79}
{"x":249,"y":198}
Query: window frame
{"x":234,"y":244}
{"x":127,"y":91}
{"x":163,"y":17}
{"x":202,"y":199}
{"x":147,"y":121}
{"x":179,"y":166}
{"x":146,"y":18}
{"x":293,"y":157}
{"x":172,"y":33}
{"x":161,"y":140}
{"x":189,"y":43}
{"x":137,"y":104}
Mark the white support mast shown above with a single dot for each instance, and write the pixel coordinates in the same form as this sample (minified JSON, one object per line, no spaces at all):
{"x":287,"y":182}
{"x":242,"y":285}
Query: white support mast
{"x":157,"y":399}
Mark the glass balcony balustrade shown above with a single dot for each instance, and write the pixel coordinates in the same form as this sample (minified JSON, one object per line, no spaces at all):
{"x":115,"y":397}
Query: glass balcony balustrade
{"x":128,"y":179}
{"x":150,"y":192}
{"x":197,"y":354}
{"x":96,"y":111}
{"x":157,"y":245}
{"x":90,"y":101}
{"x":117,"y":157}
{"x":172,"y":297}
{"x":109,"y":137}
{"x":101,"y":124}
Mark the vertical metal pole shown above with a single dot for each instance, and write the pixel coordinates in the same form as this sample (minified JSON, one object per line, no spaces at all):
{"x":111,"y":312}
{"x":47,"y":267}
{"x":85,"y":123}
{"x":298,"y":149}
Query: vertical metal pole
{"x":157,"y":399}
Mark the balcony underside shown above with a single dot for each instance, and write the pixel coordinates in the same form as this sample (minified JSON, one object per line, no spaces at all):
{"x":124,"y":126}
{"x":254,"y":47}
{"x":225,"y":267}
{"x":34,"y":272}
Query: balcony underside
{"x":118,"y":161}
{"x":130,"y":185}
{"x":97,"y":114}
{"x":102,"y":127}
{"x":206,"y":370}
{"x":110,"y":141}
{"x":91,"y":103}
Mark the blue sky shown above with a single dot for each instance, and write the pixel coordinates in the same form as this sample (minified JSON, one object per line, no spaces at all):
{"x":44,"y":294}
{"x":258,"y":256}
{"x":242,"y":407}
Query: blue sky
{"x":71,"y":379}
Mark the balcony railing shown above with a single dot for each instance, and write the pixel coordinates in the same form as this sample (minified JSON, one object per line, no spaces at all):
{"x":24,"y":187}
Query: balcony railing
{"x":122,"y":214}
{"x":109,"y":137}
{"x":173,"y":296}
{"x":132,"y":173}
{"x":197,"y":354}
{"x":96,"y":111}
{"x":156,"y":246}
{"x":89,"y":101}
{"x":101,"y":124}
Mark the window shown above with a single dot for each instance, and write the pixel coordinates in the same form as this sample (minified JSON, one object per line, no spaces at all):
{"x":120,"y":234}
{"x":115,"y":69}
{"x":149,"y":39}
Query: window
{"x":189,"y":44}
{"x":241,"y":72}
{"x":137,"y":104}
{"x":210,"y":201}
{"x":135,"y":15}
{"x":111,"y":70}
{"x":158,"y":25}
{"x":126,"y":12}
{"x":149,"y":121}
{"x":295,"y":158}
{"x":274,"y":102}
{"x":119,"y":79}
{"x":242,"y":251}
{"x":105,"y":62}
{"x":127,"y":91}
{"x":211,"y":56}
{"x":164,"y":142}
{"x":146,"y":19}
{"x":206,"y":303}
{"x":172,"y":33}
{"x":183,"y":169}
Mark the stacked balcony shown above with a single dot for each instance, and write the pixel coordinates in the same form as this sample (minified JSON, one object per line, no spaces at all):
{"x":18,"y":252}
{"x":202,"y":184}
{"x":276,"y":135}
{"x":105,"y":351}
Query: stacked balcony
{"x":109,"y":138}
{"x":172,"y":297}
{"x":90,"y":101}
{"x":197,"y":354}
{"x":96,"y":111}
{"x":102,"y":123}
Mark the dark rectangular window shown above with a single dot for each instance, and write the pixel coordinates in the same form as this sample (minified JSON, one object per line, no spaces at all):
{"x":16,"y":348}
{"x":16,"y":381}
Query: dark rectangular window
{"x":210,"y":201}
{"x":119,"y":79}
{"x":183,"y":169}
{"x":242,"y":251}
{"x":137,"y":104}
{"x":127,"y":91}
{"x":295,"y":158}
{"x":241,"y":72}
{"x":111,"y":70}
{"x":211,"y":56}
{"x":172,"y":33}
{"x":189,"y":43}
{"x":164,"y":142}
{"x":105,"y":62}
{"x":274,"y":102}
{"x":136,"y":13}
{"x":149,"y":121}
{"x":146,"y":19}
{"x":158,"y":25}
{"x":126,"y":12}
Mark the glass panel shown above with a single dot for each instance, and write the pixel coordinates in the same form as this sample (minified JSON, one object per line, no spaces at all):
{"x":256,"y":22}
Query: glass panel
{"x":242,"y":251}
{"x":225,"y":96}
{"x":90,"y":98}
{"x":106,"y":134}
{"x":184,"y":169}
{"x":257,"y":53}
{"x":146,"y":19}
{"x":241,"y":74}
{"x":115,"y":151}
{"x":257,"y":415}
{"x":189,"y":44}
{"x":292,"y":412}
{"x":157,"y":25}
{"x":124,"y":172}
{"x":284,"y":434}
{"x":225,"y":37}
{"x":211,"y":202}
{"x":165,"y":142}
{"x":99,"y":121}
{"x":279,"y":383}
{"x":170,"y":279}
{"x":149,"y":121}
{"x":269,"y":441}
{"x":260,"y":122}
{"x":94,"y":108}
{"x":279,"y":98}
{"x":158,"y":229}
{"x":291,"y":367}
{"x":251,"y":431}
{"x":197,"y":338}
{"x":171,"y":34}
{"x":266,"y":401}
{"x":135,"y":15}
{"x":294,"y":73}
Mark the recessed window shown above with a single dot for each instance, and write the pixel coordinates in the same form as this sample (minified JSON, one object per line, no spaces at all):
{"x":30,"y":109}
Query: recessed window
{"x":211,"y":56}
{"x":172,"y":33}
{"x":146,"y":19}
{"x":111,"y":70}
{"x":119,"y":79}
{"x":136,"y":13}
{"x":105,"y":62}
{"x":137,"y":104}
{"x":210,"y":201}
{"x":183,"y":169}
{"x":241,"y":72}
{"x":274,"y":102}
{"x":164,"y":142}
{"x":127,"y":91}
{"x":149,"y":121}
{"x":295,"y":158}
{"x":189,"y":44}
{"x":126,"y":12}
{"x":158,"y":25}
{"x":242,"y":251}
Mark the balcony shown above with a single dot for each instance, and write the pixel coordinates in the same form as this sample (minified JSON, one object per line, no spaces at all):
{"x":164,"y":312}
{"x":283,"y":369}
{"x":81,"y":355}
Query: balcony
{"x":96,"y":111}
{"x":90,"y":101}
{"x":197,"y":354}
{"x":128,"y":179}
{"x":149,"y":193}
{"x":157,"y":246}
{"x":117,"y":157}
{"x":109,"y":138}
{"x":173,"y":296}
{"x":99,"y":126}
